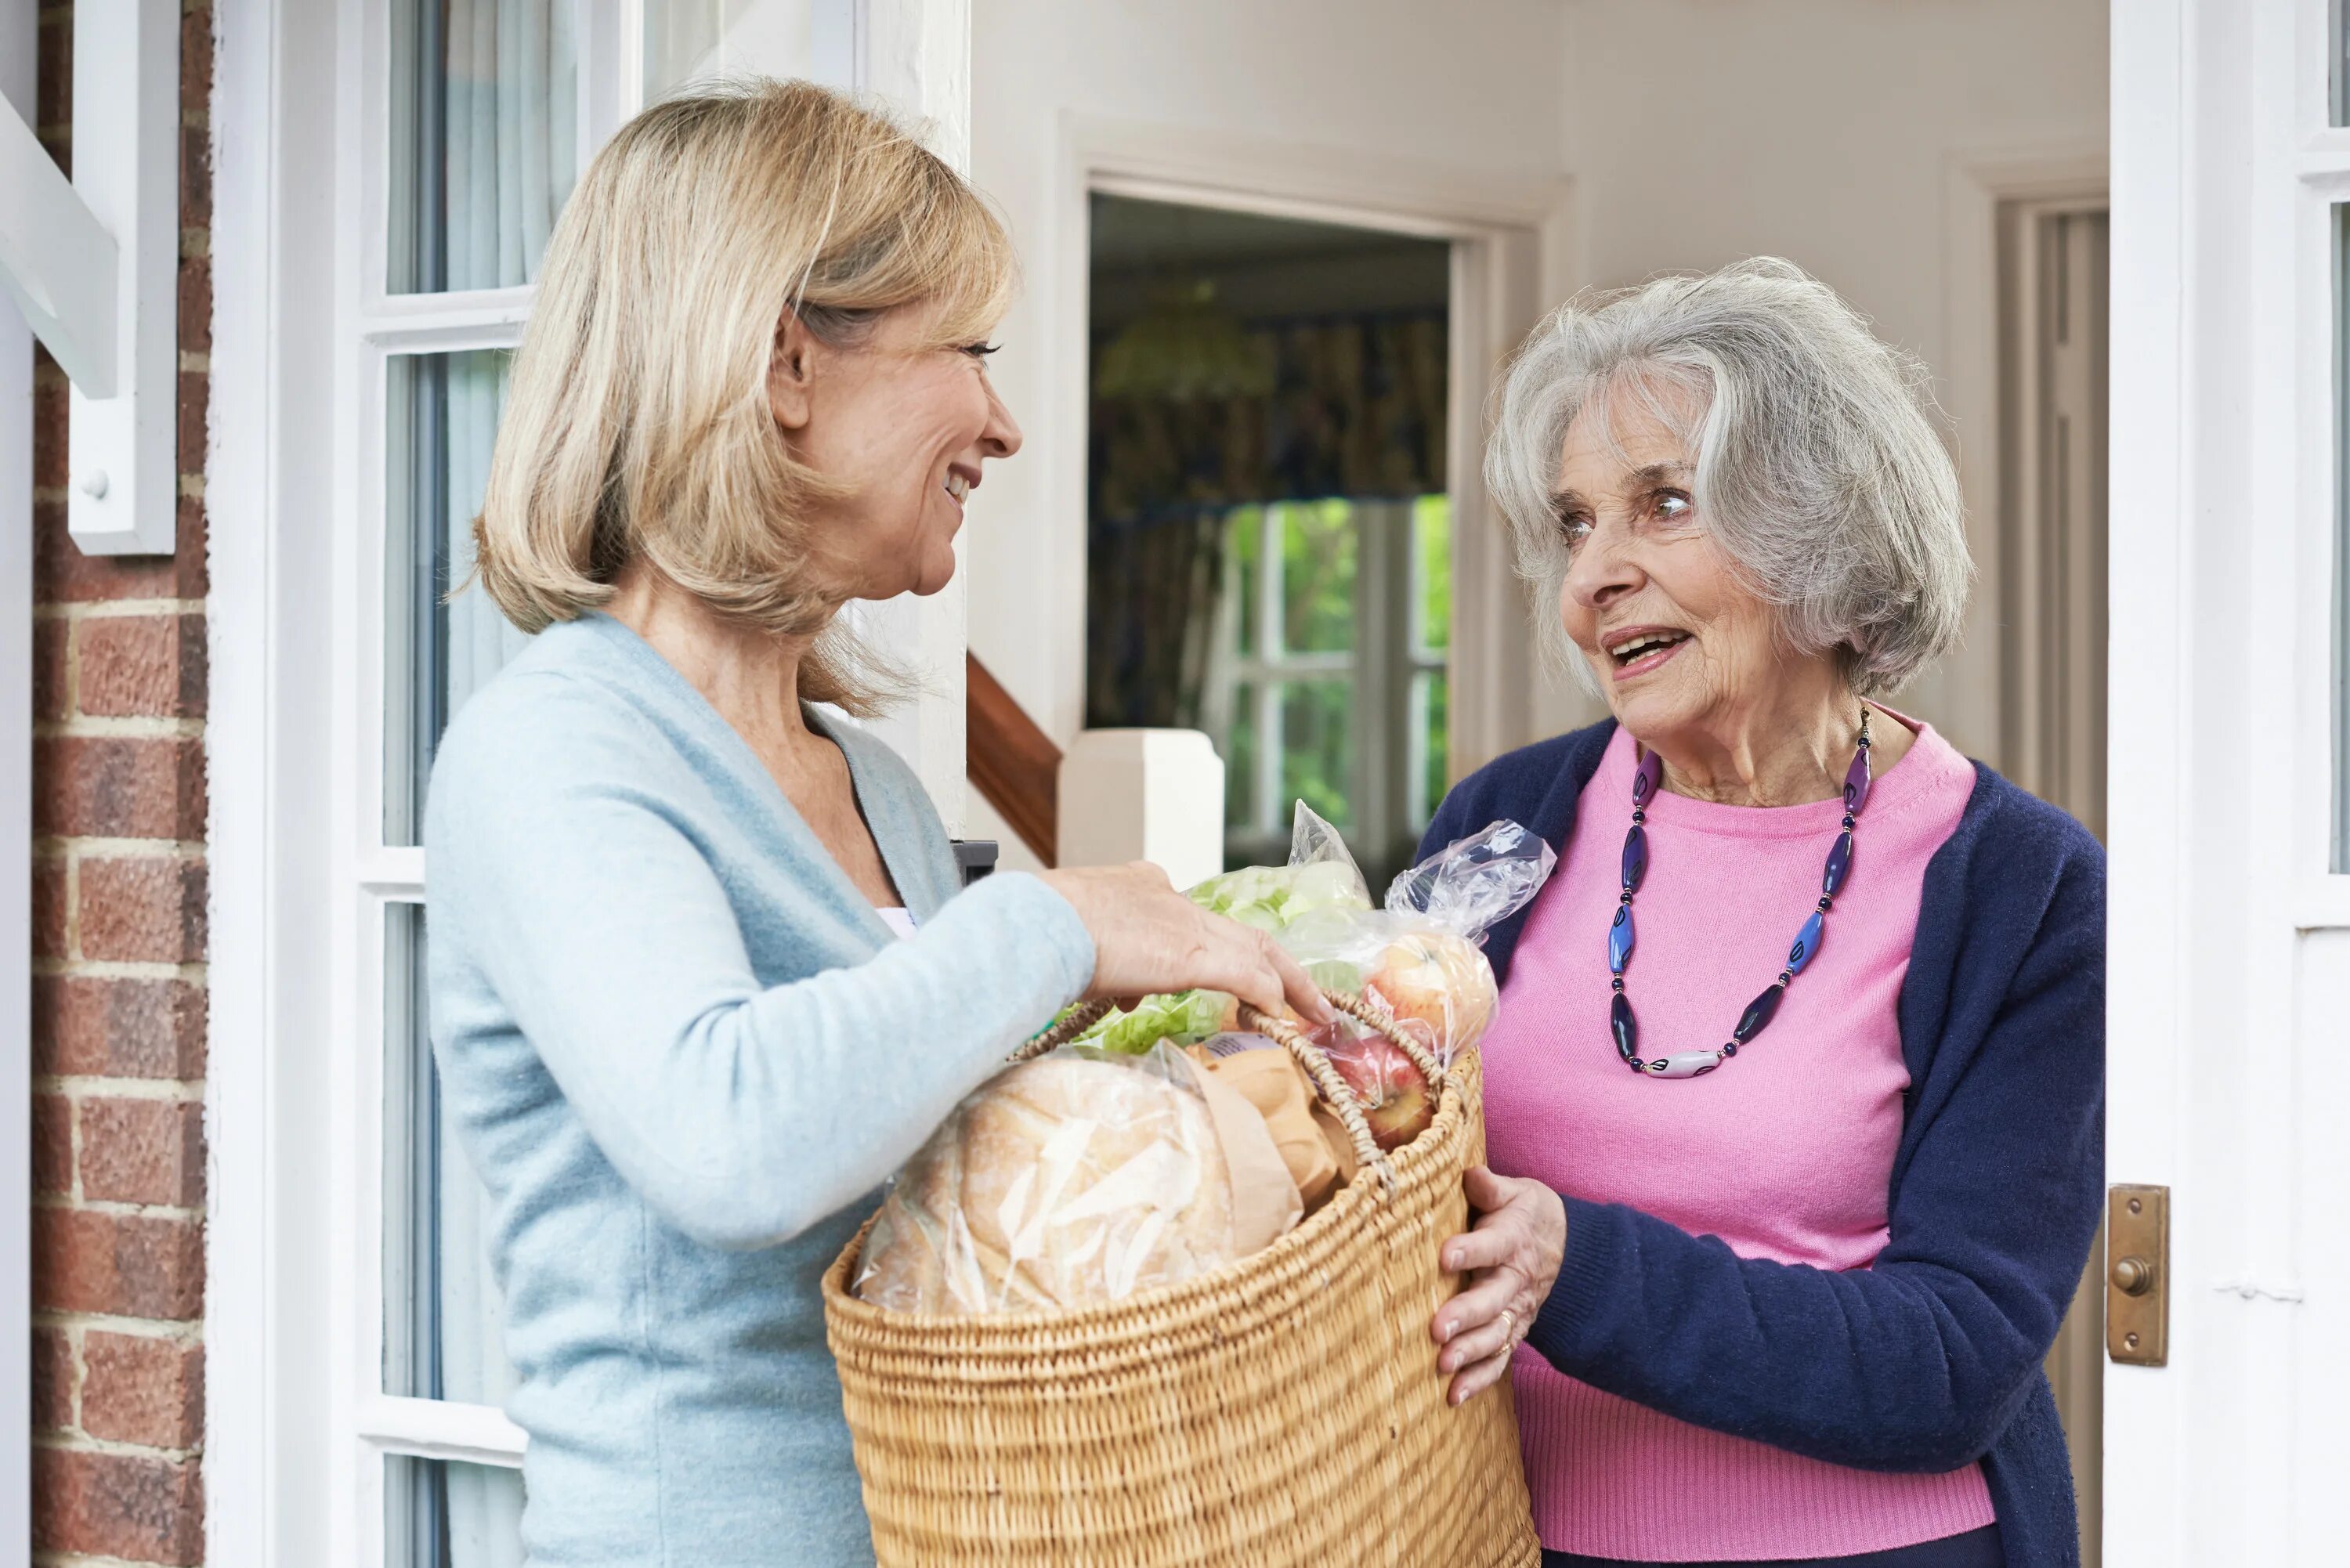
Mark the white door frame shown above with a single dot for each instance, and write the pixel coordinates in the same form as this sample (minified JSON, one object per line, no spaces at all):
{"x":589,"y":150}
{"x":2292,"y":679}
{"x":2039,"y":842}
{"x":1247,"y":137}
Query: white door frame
{"x":1512,"y":256}
{"x":1975,"y":185}
{"x":2229,"y":937}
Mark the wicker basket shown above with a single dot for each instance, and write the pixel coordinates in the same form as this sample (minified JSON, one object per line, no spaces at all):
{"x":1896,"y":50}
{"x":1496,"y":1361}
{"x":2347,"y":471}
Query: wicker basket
{"x":1286,"y":1412}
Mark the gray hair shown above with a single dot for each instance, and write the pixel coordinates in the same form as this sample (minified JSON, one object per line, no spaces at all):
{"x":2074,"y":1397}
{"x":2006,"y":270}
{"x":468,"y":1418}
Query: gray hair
{"x":1818,"y":470}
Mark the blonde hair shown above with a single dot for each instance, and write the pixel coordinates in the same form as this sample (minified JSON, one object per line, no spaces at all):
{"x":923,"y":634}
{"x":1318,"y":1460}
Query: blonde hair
{"x":638,"y":424}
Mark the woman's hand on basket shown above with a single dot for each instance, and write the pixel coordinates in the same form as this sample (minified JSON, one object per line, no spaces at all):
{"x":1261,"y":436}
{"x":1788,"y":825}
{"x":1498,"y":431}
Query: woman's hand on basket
{"x":1148,"y":938}
{"x":1512,"y":1256}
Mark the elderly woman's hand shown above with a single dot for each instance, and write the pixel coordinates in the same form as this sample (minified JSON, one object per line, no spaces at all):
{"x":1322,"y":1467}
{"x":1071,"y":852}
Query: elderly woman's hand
{"x":1511,"y":1254}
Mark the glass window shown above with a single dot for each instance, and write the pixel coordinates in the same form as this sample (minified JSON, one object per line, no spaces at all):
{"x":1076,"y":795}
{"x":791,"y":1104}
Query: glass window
{"x":1318,"y":556}
{"x":484,"y":138}
{"x":1430,"y":763}
{"x":1315,"y":758}
{"x":2342,"y":537}
{"x":441,"y":413}
{"x":438,"y":1514}
{"x":444,"y":1324}
{"x":1431,"y":523}
{"x":2339,"y":58}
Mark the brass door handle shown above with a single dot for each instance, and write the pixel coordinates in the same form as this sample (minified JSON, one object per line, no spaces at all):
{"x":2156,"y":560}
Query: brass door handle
{"x":2137,"y":1306}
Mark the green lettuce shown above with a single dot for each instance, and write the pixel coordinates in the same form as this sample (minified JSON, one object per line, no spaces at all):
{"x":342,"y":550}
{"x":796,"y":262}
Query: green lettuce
{"x":1185,"y":1018}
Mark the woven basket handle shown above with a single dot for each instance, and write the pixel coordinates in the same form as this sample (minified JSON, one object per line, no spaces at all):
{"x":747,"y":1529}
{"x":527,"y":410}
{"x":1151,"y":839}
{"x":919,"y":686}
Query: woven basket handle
{"x":1325,"y":1078}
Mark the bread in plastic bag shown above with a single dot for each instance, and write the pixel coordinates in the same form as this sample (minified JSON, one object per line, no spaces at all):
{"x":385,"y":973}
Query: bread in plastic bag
{"x":1065,"y":1180}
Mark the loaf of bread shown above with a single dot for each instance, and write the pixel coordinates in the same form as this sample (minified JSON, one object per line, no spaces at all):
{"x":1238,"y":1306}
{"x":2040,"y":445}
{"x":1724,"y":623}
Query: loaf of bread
{"x":1058,"y":1182}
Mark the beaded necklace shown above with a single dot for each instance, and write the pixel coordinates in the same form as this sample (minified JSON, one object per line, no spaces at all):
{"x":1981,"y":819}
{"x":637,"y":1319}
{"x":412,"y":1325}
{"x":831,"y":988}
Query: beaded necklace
{"x":1759,"y":1011}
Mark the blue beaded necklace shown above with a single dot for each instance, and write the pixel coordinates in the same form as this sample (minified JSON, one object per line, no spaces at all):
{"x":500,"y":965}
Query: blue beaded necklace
{"x":1759,"y":1011}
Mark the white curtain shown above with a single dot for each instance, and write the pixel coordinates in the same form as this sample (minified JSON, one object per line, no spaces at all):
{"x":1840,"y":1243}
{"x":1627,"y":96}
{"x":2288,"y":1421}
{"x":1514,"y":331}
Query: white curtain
{"x":510,"y":135}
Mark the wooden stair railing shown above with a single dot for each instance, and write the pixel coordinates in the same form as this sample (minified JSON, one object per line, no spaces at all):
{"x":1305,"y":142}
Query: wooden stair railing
{"x":1014,"y":766}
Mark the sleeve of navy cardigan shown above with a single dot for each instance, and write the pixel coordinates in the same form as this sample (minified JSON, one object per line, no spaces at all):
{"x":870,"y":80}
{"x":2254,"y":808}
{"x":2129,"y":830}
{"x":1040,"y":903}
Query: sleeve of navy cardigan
{"x":1919,"y":1362}
{"x":742,"y":1113}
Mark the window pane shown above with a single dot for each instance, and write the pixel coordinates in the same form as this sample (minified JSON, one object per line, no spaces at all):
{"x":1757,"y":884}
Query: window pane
{"x":443,"y":414}
{"x":1432,"y":538}
{"x":484,"y":132}
{"x":1430,"y":741}
{"x":438,"y":1514}
{"x":1240,"y":759}
{"x":1318,"y":577}
{"x":2342,"y":538}
{"x":1313,"y":749}
{"x":2339,"y":57}
{"x":444,"y":1325}
{"x":1244,"y":544}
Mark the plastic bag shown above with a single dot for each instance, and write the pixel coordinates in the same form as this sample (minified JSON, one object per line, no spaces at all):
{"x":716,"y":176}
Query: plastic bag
{"x":1076,"y":1178}
{"x":1417,"y":960}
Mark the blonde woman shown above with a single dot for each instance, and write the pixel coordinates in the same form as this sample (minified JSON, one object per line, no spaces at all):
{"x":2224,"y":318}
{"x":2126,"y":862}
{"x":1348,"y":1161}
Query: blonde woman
{"x":701,"y":974}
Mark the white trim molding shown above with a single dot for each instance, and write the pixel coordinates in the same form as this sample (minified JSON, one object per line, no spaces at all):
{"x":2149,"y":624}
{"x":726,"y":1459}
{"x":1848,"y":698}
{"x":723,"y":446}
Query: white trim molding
{"x":1976,"y":184}
{"x":94,"y":264}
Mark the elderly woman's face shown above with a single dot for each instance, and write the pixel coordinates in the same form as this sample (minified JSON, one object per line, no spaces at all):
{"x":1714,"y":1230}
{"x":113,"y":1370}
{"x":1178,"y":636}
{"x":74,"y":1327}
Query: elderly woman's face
{"x":904,"y":426}
{"x":1673,"y":637}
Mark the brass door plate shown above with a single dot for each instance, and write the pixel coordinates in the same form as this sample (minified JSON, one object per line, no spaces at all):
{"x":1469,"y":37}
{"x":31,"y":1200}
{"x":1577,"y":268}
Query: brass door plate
{"x":2137,"y":1275}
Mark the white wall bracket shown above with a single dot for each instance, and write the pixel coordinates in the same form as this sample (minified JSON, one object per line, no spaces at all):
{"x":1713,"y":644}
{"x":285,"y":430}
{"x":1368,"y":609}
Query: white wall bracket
{"x":94,"y":265}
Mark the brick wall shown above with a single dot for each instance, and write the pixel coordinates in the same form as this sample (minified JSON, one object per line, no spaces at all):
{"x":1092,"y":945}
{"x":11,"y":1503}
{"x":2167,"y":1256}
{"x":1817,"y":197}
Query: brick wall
{"x":119,"y":954}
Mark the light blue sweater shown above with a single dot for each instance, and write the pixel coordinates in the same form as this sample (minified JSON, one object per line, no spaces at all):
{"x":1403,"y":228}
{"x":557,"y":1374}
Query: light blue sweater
{"x":683,"y":1051}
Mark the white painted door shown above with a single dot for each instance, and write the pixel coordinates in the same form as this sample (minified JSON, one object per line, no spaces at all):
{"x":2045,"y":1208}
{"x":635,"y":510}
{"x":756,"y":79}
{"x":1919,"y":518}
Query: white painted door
{"x":914,"y":58}
{"x":2230,"y":1001}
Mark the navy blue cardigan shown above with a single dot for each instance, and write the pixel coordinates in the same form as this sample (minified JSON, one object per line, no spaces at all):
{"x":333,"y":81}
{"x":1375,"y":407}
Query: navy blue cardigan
{"x":1931,"y":1359}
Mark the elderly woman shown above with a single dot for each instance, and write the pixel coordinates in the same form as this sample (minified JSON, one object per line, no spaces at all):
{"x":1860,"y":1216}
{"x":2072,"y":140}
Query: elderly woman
{"x":1796,"y":1090}
{"x":701,"y":974}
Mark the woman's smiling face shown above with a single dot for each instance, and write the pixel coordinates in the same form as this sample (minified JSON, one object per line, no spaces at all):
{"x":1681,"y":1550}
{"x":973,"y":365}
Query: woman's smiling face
{"x":1674,"y":638}
{"x":903,"y":425}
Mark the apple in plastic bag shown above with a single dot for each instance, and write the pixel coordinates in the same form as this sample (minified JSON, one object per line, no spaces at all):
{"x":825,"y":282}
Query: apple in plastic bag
{"x":1441,"y":981}
{"x":1390,"y":1090}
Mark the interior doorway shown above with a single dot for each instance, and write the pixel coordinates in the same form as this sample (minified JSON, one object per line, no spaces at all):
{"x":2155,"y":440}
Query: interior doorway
{"x":1269,"y":513}
{"x":2051,"y":598}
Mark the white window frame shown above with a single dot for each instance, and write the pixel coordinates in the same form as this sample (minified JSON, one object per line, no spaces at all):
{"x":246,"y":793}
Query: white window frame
{"x":296,"y":1424}
{"x":1387,"y":654}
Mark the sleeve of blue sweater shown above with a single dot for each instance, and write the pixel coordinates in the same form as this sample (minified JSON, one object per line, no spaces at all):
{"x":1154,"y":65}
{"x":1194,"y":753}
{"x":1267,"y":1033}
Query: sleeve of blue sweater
{"x":743,"y":1113}
{"x":1919,"y":1362}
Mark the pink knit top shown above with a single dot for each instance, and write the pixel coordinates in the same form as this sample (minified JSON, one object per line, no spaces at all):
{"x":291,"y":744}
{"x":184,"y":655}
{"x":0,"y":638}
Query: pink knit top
{"x":1786,"y":1152}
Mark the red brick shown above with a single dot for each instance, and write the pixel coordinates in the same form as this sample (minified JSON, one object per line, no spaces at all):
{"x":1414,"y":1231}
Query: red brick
{"x":196,"y":61}
{"x":53,"y":1380}
{"x":119,"y":1505}
{"x":63,"y":574}
{"x":49,"y":639}
{"x":118,"y":786}
{"x":127,"y":1265}
{"x":49,"y":903}
{"x":195,"y":312}
{"x":142,"y":1151}
{"x":117,"y":1028}
{"x":142,"y":908}
{"x":53,"y":1160}
{"x":151,"y":665}
{"x":53,"y":88}
{"x":51,"y":404}
{"x":135,"y":1390}
{"x":194,"y":386}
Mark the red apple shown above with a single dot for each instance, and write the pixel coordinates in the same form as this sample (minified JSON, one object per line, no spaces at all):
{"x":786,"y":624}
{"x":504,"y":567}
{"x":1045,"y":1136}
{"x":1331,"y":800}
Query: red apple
{"x":1441,"y":980}
{"x":1392,"y":1093}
